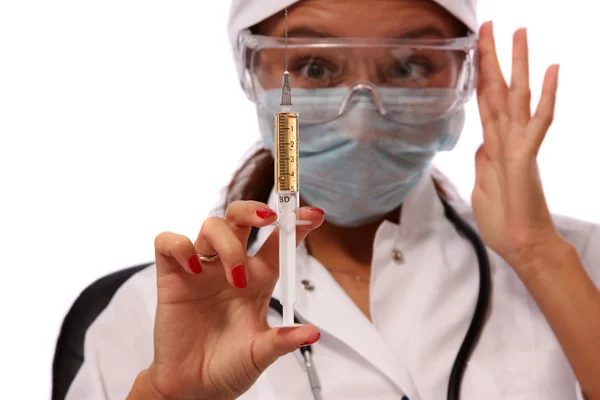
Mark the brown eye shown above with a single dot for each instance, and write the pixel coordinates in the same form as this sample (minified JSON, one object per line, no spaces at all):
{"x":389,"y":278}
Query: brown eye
{"x":403,"y":71}
{"x":316,"y":70}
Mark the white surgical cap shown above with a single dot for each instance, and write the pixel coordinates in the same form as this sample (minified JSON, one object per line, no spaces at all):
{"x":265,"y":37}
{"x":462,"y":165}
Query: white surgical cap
{"x":244,"y":14}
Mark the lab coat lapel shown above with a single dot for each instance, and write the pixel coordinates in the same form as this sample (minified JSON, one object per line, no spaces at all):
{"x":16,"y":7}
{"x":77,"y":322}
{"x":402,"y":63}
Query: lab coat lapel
{"x":334,"y":313}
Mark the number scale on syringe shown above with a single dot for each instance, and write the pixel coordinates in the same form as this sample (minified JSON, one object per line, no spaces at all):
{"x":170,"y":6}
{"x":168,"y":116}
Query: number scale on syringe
{"x":286,"y":135}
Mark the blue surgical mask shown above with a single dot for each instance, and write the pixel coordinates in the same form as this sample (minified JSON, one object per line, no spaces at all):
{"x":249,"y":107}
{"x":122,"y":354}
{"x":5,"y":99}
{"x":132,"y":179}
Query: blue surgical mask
{"x":361,"y":165}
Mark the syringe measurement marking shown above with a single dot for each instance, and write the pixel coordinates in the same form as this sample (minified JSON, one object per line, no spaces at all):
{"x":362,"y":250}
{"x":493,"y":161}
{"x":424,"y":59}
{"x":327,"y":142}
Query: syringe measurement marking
{"x":287,"y":153}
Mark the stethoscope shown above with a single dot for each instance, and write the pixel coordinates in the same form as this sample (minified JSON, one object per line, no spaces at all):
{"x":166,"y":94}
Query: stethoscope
{"x":475,"y":328}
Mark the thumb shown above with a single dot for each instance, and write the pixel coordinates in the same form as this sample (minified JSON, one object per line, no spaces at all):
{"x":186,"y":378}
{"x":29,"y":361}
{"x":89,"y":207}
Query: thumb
{"x":277,"y":342}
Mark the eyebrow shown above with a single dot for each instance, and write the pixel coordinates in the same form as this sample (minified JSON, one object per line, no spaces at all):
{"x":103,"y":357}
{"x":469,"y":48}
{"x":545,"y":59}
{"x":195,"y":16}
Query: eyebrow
{"x":305,"y":32}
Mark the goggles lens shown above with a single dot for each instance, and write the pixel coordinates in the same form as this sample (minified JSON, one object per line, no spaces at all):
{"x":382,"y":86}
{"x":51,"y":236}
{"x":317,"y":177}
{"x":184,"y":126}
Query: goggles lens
{"x":406,"y":79}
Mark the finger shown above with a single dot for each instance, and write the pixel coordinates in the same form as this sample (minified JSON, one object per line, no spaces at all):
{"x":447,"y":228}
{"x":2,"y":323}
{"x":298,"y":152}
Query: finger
{"x":544,"y":114}
{"x":243,"y":215}
{"x":277,"y":342}
{"x":175,"y":253}
{"x":491,"y":86}
{"x":490,"y":72}
{"x":269,"y":252}
{"x":217,"y":237}
{"x":520,"y":93}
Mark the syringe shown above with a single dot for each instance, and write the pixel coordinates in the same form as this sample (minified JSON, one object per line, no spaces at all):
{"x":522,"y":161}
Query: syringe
{"x":286,"y":186}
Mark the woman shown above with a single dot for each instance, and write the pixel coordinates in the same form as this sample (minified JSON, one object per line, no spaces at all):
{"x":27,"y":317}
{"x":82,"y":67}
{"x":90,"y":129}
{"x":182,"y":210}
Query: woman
{"x":387,"y":285}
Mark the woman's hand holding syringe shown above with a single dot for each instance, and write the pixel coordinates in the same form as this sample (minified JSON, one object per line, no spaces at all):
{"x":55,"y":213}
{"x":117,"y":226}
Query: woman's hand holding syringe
{"x":211,"y":336}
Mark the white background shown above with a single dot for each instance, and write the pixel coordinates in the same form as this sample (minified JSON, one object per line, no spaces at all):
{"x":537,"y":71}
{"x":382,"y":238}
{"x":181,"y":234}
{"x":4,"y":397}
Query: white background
{"x":121,"y":119}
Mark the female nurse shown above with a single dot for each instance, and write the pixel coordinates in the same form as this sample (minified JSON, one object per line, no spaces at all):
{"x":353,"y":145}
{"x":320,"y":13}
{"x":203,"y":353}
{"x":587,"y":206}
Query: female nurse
{"x":387,"y":287}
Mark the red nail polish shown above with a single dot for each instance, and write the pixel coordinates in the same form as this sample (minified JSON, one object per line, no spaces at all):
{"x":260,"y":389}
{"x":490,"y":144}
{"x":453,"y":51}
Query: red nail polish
{"x":317,"y":210}
{"x":239,"y":277}
{"x":265,"y":212}
{"x":313,"y":342}
{"x":194,"y":264}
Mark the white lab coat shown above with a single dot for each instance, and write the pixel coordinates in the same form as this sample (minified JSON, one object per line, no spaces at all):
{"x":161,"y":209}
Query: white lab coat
{"x":420,"y":308}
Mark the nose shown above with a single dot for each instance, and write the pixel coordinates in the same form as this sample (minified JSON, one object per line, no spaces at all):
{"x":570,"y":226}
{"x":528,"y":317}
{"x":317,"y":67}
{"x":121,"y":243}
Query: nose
{"x":360,"y":87}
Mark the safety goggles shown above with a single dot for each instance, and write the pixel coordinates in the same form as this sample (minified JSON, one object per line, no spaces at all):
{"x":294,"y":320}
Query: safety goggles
{"x":407,"y":80}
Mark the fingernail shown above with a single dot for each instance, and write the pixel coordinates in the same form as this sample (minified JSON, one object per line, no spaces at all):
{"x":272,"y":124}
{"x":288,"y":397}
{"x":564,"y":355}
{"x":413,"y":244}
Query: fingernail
{"x":194,"y":264}
{"x":265,"y":212}
{"x":239,"y":277}
{"x":317,"y":210}
{"x":313,"y":342}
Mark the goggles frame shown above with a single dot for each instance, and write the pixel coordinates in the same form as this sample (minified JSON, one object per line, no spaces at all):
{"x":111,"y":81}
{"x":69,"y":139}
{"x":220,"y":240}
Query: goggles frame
{"x":249,"y":44}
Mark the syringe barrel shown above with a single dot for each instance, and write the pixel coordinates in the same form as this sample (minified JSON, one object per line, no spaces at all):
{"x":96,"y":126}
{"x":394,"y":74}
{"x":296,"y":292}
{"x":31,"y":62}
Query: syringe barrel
{"x":287,"y":207}
{"x":286,"y":186}
{"x":286,"y":152}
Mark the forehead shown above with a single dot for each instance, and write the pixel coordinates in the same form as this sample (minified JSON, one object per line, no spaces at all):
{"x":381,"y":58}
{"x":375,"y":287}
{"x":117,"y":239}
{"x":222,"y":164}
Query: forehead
{"x":364,"y":18}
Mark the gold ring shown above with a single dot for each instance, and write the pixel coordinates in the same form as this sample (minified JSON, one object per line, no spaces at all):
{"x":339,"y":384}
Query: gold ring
{"x":212,"y":258}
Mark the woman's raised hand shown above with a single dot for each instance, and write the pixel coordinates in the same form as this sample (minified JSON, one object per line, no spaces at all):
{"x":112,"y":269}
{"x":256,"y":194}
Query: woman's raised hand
{"x":508,"y":200}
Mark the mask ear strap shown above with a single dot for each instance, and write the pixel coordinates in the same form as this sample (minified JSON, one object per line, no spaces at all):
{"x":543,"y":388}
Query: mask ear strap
{"x":360,"y":87}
